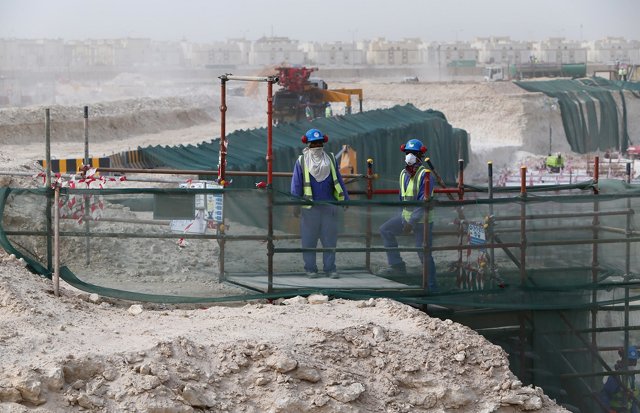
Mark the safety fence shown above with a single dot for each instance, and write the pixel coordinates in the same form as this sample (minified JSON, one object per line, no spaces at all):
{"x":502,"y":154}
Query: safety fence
{"x":550,"y":273}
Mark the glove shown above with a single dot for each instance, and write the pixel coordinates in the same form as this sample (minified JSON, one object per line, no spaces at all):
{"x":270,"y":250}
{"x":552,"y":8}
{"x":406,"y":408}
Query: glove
{"x":407,"y":228}
{"x":296,"y":211}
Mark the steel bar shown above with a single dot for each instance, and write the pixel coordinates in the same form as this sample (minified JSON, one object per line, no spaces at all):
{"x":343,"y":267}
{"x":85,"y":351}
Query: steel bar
{"x":270,"y":245}
{"x":426,"y":247}
{"x":566,"y":215}
{"x":47,"y":140}
{"x":87,"y":243}
{"x":56,"y":242}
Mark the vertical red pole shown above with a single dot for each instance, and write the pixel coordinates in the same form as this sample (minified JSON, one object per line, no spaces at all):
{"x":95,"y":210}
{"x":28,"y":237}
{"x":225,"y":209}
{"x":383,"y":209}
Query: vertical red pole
{"x":523,"y":223}
{"x":269,"y":131}
{"x":523,"y":257}
{"x":369,"y":197}
{"x":222,"y":159}
{"x":425,"y":234}
{"x":461,"y":179}
{"x":596,"y":174}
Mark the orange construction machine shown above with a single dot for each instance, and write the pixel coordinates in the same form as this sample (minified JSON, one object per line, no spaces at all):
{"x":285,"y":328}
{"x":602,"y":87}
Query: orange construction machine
{"x":303,"y":96}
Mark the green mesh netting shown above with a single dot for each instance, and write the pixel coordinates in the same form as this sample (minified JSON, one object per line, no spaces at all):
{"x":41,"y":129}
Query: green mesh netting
{"x":552,"y":276}
{"x":590,"y":115}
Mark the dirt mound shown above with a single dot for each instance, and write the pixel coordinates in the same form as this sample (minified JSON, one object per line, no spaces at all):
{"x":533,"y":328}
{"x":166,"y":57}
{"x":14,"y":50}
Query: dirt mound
{"x":116,"y":120}
{"x":82,"y":352}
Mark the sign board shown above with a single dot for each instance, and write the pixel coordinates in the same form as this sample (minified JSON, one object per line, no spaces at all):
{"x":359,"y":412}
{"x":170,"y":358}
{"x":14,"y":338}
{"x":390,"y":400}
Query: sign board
{"x":477,"y":235}
{"x":208,"y":210}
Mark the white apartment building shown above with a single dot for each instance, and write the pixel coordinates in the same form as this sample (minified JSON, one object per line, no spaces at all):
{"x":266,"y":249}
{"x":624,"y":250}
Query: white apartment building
{"x":339,"y":54}
{"x":230,"y":53}
{"x":404,"y":52}
{"x":559,"y":50}
{"x":614,"y":49}
{"x":502,"y":50}
{"x":273,"y":51}
{"x":448,"y":54}
{"x":133,"y":52}
{"x":32,"y":55}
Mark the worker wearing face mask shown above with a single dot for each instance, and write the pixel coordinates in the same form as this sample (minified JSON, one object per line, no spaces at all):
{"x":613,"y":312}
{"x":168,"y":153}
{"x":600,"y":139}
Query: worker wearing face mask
{"x":412,"y":218}
{"x":316,"y":177}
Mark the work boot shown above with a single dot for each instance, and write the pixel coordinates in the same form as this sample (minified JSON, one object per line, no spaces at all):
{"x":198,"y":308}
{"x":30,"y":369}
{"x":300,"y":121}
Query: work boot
{"x":311,"y":274}
{"x":334,"y":275}
{"x":393,"y":270}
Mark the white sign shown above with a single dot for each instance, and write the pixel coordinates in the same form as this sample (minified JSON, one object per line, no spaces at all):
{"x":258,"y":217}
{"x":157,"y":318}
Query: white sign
{"x":209,"y":209}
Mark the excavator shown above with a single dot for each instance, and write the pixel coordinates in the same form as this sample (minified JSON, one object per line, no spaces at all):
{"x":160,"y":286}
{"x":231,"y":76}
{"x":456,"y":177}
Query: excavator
{"x":302,"y":96}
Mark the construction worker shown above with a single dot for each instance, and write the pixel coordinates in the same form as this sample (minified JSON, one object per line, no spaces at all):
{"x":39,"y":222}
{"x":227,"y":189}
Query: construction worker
{"x":411,"y":219}
{"x":623,"y":73}
{"x":308,"y":112}
{"x":555,"y":162}
{"x":328,"y":112}
{"x":612,"y":396}
{"x":316,"y":177}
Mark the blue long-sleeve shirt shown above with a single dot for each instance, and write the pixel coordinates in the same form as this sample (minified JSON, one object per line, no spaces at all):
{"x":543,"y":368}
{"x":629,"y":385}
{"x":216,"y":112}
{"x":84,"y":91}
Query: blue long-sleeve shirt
{"x":611,"y":388}
{"x":322,"y":191}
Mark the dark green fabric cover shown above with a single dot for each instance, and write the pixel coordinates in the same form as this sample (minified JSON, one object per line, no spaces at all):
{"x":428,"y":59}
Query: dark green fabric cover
{"x":580,"y":101}
{"x":375,"y":134}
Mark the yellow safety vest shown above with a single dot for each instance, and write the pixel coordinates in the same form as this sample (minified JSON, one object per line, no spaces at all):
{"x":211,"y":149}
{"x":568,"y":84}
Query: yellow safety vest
{"x":410,"y":193}
{"x":307,"y":194}
{"x":617,"y":401}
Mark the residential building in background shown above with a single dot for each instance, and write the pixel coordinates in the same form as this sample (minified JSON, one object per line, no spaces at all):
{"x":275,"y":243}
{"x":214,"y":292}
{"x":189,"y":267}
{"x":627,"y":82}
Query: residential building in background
{"x":407,"y":52}
{"x":275,"y":51}
{"x":56,"y":55}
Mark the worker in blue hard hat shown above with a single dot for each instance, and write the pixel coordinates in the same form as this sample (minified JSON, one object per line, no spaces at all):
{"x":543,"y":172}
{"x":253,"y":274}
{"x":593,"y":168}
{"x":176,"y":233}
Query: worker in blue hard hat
{"x":613,"y":397}
{"x":316,"y":177}
{"x":411,"y":219}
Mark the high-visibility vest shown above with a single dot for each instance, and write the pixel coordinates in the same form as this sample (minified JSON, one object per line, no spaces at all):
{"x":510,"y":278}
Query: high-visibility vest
{"x":617,"y":401}
{"x":555,"y":161}
{"x":307,"y":194}
{"x":410,"y":193}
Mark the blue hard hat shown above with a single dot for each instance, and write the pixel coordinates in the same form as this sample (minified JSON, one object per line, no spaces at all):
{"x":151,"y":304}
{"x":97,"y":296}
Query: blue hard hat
{"x":314,"y":135}
{"x":632,"y":353}
{"x":413,"y":145}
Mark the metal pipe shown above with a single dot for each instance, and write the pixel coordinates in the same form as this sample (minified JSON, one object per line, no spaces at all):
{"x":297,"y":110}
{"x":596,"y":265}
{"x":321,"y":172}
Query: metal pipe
{"x":492,"y":251}
{"x":162,"y":171}
{"x":270,"y":245}
{"x":56,"y":241}
{"x":460,"y":179}
{"x":523,"y":225}
{"x":567,"y":215}
{"x":627,"y":276}
{"x":269,"y":132}
{"x":229,"y":76}
{"x":595,"y":269}
{"x":222,"y":161}
{"x":367,"y":260}
{"x":222,"y":155}
{"x":47,"y":145}
{"x":596,"y":174}
{"x":87,"y":244}
{"x":425,"y":233}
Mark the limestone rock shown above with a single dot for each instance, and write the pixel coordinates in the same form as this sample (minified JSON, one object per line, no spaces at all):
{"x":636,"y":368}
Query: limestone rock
{"x":346,"y":394}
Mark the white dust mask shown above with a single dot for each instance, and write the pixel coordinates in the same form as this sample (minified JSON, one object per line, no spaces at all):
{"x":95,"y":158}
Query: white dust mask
{"x":410,"y":159}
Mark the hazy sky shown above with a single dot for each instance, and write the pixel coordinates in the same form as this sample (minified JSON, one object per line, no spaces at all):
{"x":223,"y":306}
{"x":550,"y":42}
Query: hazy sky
{"x":322,"y":20}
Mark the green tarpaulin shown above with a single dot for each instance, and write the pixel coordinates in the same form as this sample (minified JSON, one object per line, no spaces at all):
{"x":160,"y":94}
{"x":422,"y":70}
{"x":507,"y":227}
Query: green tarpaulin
{"x":375,"y":134}
{"x":592,"y":119}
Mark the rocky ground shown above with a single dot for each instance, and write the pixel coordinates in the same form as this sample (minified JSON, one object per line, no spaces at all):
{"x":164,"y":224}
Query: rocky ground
{"x":81,"y":352}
